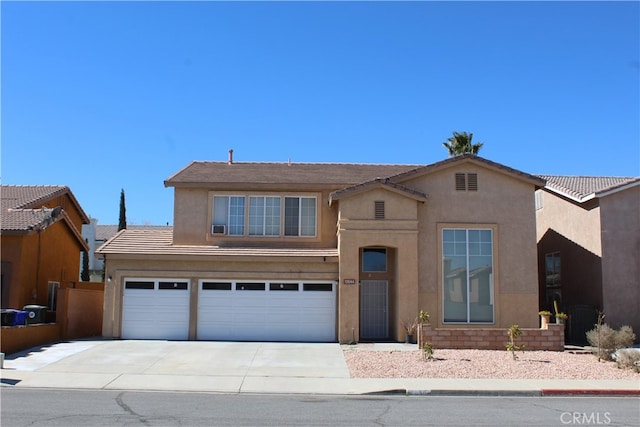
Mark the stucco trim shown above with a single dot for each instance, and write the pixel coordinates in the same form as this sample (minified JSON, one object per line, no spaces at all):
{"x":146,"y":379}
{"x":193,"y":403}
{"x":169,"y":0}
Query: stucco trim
{"x":377,"y":183}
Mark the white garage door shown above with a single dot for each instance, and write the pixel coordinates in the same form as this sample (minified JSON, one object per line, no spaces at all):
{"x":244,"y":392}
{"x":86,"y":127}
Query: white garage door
{"x":155,"y":309}
{"x":267,"y":311}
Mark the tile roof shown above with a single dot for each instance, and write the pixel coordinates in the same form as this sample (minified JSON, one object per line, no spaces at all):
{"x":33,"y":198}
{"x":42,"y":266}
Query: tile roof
{"x":583,"y":188}
{"x":312,"y":174}
{"x":380,"y":183}
{"x":34,"y":196}
{"x":404,"y":176}
{"x":159,"y":242}
{"x":24,"y":219}
{"x":107,"y":231}
{"x":29,"y":196}
{"x":315,"y":175}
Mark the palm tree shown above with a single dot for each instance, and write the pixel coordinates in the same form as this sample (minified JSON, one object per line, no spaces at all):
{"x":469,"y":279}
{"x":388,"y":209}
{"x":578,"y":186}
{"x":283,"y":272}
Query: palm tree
{"x":460,"y":143}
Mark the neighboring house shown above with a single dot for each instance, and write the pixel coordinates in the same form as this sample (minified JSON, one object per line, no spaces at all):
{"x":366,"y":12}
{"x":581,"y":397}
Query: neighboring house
{"x":96,"y":235}
{"x":589,"y":250}
{"x":41,"y":243}
{"x":328,"y":252}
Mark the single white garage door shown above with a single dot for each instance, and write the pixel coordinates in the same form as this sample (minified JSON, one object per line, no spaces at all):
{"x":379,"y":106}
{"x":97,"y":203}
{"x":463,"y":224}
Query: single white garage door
{"x":155,"y":309}
{"x":267,"y":311}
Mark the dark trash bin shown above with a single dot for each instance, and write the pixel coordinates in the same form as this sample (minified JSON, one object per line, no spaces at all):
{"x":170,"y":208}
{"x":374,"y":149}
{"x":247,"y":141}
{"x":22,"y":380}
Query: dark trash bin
{"x":8,"y":316}
{"x":11,"y":317}
{"x":36,"y":314}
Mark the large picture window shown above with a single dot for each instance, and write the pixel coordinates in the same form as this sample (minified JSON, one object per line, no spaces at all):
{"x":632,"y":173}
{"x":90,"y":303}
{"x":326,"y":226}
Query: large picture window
{"x":467,"y":274}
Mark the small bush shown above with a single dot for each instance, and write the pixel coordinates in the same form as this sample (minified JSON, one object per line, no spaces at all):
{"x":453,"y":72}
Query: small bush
{"x":625,"y":337}
{"x":606,"y":340}
{"x":514,"y":333}
{"x":628,"y":358}
{"x":427,"y":351}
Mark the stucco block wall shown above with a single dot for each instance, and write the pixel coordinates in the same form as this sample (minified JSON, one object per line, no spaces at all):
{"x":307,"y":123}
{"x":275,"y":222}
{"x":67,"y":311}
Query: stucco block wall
{"x":550,"y":339}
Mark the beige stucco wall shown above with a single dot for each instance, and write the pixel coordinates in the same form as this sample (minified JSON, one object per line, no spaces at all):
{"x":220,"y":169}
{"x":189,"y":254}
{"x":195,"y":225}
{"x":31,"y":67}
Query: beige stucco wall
{"x":357,"y":229}
{"x":193,"y":219}
{"x":620,"y":219}
{"x":502,"y":203}
{"x":578,"y":223}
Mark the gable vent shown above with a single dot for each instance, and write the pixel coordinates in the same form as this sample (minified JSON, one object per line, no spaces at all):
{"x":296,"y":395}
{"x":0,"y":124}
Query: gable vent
{"x":472,"y":181}
{"x":466,"y":182}
{"x":379,"y":209}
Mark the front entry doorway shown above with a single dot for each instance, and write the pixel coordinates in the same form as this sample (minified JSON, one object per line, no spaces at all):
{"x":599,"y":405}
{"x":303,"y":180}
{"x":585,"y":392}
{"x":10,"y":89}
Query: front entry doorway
{"x":374,"y":309}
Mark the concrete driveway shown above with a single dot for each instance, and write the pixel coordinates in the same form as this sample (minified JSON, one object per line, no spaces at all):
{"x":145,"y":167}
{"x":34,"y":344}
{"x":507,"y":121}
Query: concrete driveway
{"x":172,"y":365}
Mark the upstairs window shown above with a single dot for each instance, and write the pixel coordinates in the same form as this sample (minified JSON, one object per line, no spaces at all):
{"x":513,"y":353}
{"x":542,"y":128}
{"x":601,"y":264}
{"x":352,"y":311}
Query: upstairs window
{"x":264,"y":216}
{"x":228,"y":214}
{"x":299,"y":216}
{"x":552,"y":269}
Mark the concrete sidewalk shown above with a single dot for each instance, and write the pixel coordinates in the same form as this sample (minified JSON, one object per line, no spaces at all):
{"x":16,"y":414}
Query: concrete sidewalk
{"x":237,"y":367}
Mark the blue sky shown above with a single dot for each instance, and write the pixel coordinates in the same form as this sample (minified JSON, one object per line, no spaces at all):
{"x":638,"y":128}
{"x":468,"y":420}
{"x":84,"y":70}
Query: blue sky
{"x":110,"y":95}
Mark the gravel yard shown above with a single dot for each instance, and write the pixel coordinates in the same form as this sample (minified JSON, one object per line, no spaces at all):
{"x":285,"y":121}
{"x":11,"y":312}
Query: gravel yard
{"x":364,"y":363}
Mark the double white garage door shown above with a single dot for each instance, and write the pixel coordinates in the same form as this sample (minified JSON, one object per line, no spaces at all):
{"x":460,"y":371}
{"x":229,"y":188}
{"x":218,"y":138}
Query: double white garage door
{"x":230,"y":310}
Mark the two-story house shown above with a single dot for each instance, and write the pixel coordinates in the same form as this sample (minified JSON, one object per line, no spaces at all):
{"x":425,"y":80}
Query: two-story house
{"x":328,"y":252}
{"x":41,"y":243}
{"x":589,"y":250}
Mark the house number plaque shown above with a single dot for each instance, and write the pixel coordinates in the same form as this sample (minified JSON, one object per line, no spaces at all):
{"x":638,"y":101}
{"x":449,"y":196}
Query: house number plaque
{"x":349,"y":281}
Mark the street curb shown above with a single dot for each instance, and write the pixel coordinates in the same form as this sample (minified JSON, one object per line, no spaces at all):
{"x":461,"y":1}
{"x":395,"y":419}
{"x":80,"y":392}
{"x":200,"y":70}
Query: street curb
{"x":425,"y":392}
{"x":589,"y":392}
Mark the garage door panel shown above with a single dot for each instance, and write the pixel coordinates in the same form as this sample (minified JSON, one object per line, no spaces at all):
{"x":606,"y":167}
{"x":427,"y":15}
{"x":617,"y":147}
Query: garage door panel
{"x":155,"y":309}
{"x":267,"y":311}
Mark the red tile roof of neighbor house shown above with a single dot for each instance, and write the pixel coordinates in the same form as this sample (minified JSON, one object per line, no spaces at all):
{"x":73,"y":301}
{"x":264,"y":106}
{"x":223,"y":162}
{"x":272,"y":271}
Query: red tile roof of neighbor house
{"x":583,"y":188}
{"x":160,"y":242}
{"x":23,"y":209}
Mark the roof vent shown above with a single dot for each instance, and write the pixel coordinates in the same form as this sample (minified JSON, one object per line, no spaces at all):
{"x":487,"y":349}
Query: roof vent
{"x":230,"y":156}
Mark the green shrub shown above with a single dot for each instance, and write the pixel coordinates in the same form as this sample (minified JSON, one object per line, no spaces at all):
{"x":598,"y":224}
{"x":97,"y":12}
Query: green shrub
{"x":427,"y":351}
{"x":514,"y":333}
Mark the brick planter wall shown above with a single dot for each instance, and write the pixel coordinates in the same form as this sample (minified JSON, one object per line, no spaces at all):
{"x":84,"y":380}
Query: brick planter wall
{"x":551,"y":339}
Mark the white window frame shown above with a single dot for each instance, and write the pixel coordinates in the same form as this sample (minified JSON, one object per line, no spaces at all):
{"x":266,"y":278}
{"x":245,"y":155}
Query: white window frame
{"x":301,"y":217}
{"x":306,"y":216}
{"x":231,"y":228}
{"x":468,"y":279}
{"x":269,"y":218}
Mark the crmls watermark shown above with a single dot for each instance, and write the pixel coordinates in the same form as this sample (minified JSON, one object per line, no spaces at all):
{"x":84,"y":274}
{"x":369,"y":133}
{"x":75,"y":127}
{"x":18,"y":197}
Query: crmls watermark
{"x":585,"y":418}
